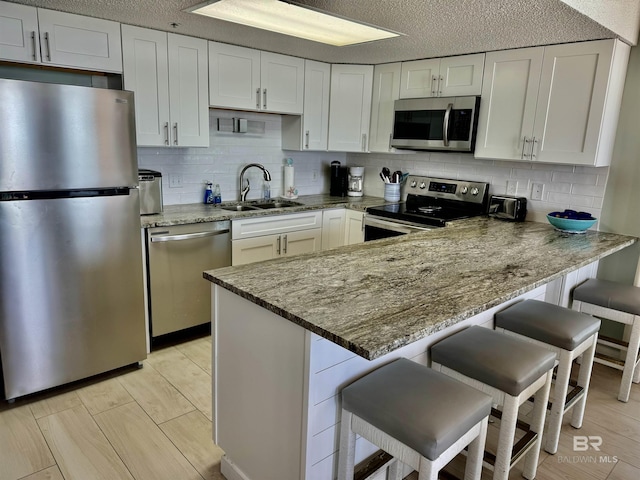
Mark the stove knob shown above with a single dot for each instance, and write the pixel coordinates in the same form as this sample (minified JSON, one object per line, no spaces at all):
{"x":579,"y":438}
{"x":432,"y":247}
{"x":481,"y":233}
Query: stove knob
{"x":423,"y":185}
{"x":475,"y":191}
{"x":464,"y":190}
{"x":413,"y":184}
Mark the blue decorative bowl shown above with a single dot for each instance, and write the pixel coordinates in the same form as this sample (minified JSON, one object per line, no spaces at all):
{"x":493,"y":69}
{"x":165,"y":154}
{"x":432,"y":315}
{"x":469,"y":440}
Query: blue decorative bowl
{"x":564,"y":222}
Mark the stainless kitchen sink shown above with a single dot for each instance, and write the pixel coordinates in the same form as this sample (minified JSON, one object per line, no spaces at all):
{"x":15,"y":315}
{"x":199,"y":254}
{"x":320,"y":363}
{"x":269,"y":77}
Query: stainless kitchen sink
{"x":238,"y":208}
{"x":276,"y":204}
{"x":260,"y":205}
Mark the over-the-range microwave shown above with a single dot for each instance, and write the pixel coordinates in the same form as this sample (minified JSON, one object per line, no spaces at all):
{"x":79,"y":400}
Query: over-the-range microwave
{"x":439,"y":123}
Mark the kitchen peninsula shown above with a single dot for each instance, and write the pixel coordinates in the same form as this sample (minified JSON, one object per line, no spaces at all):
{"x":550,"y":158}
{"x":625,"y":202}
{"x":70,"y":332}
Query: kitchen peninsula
{"x":290,"y":333}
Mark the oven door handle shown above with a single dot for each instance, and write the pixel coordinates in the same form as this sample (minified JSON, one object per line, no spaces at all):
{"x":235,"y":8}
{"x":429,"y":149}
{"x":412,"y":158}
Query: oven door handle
{"x":445,"y":129}
{"x":371,"y":221}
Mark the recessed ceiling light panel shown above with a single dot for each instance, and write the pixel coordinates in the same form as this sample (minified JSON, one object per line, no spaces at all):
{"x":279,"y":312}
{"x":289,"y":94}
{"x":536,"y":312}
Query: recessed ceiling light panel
{"x":294,"y":20}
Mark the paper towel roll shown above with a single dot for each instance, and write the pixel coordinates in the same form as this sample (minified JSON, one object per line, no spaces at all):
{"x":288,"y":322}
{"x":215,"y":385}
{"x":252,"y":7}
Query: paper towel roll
{"x":289,"y":185}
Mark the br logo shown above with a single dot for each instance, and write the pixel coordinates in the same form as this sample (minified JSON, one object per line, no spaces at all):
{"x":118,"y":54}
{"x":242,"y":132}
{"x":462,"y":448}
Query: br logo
{"x":582,"y":443}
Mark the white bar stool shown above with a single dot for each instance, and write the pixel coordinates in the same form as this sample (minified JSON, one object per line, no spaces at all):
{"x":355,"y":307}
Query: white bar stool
{"x":419,"y":416}
{"x":619,"y":303}
{"x":567,"y":333}
{"x":511,"y":371}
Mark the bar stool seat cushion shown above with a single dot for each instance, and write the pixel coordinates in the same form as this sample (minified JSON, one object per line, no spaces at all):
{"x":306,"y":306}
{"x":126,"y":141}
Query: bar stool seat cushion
{"x":494,"y":358}
{"x":548,"y":323}
{"x":422,"y":408}
{"x":613,"y":295}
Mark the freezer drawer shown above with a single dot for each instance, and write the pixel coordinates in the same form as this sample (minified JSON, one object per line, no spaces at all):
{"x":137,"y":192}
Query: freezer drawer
{"x":179,"y":296}
{"x":71,"y":290}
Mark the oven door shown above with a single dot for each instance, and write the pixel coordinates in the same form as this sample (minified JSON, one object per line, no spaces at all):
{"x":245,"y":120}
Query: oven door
{"x":376,"y":228}
{"x":443,"y":123}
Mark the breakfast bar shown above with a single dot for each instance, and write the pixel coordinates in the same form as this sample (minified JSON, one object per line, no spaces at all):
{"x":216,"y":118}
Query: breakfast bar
{"x":289,"y":334}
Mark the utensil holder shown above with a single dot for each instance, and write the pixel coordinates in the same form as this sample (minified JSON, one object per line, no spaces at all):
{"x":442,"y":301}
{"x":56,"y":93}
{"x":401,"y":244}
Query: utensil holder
{"x":392,"y":192}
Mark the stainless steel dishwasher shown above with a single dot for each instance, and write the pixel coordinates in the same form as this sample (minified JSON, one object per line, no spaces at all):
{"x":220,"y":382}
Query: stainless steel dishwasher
{"x":178,"y":294}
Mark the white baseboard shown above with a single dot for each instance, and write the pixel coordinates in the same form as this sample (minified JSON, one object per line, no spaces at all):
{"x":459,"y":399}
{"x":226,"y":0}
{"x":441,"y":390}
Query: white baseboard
{"x":230,"y":470}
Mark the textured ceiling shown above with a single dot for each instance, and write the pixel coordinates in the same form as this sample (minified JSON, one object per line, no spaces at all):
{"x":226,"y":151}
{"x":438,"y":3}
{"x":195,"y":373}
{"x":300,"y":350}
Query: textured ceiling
{"x":431,"y":28}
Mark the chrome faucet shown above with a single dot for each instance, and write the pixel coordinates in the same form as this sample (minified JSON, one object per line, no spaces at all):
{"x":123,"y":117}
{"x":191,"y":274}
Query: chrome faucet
{"x":245,"y":189}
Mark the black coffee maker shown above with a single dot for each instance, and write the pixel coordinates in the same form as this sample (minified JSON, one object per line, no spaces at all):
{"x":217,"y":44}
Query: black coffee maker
{"x":339,"y":180}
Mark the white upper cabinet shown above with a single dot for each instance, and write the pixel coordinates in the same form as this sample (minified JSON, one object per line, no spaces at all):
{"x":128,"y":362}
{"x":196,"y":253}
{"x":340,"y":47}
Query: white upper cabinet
{"x":386,"y":90}
{"x":36,"y":35}
{"x":168,"y":74}
{"x":247,"y":79}
{"x":556,"y":104}
{"x":350,"y":107}
{"x":442,"y":77}
{"x":508,"y":104}
{"x":311,"y":131}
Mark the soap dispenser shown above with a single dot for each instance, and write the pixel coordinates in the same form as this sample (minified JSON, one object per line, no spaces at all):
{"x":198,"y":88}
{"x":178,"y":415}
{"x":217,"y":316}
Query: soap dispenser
{"x":208,"y":194}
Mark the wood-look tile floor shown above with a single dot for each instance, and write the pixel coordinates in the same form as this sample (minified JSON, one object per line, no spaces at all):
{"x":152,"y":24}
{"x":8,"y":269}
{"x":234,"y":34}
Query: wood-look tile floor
{"x":155,"y":424}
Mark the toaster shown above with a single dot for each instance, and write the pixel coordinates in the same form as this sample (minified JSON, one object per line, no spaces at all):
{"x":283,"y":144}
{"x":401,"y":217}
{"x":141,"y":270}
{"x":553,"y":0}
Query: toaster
{"x":508,"y":207}
{"x":150,"y":183}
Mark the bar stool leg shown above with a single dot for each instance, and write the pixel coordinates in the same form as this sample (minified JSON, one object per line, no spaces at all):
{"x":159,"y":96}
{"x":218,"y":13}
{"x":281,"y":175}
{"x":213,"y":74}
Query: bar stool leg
{"x":427,"y":470}
{"x":559,"y":399}
{"x":395,"y":470}
{"x":347,"y":448}
{"x":537,"y":425}
{"x":475,"y":454}
{"x":630,"y":363}
{"x":506,"y":438}
{"x":583,"y":381}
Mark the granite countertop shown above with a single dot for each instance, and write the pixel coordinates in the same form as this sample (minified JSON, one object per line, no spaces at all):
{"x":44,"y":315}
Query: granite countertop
{"x":198,"y":212}
{"x":375,"y":297}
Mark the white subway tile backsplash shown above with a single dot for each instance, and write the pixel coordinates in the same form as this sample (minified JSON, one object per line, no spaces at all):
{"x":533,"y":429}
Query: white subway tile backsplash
{"x":565,"y":186}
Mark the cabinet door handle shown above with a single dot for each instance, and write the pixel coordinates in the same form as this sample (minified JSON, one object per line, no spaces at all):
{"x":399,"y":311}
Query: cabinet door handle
{"x":306,"y":142}
{"x":258,"y":98}
{"x":364,"y":142}
{"x":534,"y":143}
{"x":175,"y":133}
{"x":33,"y":45}
{"x":525,"y":141}
{"x":46,"y":42}
{"x":433,"y":82}
{"x":264,"y":93}
{"x":284,"y":247}
{"x":166,"y":133}
{"x":278,"y":247}
{"x":440,"y":82}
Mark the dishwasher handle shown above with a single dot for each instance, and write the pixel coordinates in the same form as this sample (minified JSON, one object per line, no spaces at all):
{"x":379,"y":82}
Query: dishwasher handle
{"x":187,"y":236}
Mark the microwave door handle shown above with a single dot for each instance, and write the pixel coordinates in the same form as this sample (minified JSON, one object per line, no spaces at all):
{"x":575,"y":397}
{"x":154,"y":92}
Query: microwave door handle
{"x":445,"y":134}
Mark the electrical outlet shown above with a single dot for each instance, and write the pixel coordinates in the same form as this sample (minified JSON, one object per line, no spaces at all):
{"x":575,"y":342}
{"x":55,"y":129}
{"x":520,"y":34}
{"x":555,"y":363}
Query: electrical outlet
{"x":512,"y":187}
{"x":537,"y":190}
{"x":175,"y":180}
{"x":314,"y":176}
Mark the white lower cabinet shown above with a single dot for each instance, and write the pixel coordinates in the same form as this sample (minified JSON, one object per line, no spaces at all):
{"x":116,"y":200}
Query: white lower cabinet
{"x":264,"y":238}
{"x":353,"y":227}
{"x":333,"y":223}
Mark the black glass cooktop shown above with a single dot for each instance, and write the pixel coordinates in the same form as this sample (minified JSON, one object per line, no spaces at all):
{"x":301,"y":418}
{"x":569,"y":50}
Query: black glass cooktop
{"x":432,"y":213}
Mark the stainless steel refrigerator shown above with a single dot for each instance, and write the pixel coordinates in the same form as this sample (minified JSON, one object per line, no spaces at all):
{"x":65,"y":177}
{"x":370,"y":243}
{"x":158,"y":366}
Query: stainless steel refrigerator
{"x":71,"y":282}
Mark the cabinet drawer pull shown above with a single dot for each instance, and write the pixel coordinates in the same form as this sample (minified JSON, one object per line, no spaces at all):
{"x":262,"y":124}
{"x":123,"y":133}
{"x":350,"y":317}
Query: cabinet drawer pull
{"x":284,"y":247}
{"x":278,"y":247}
